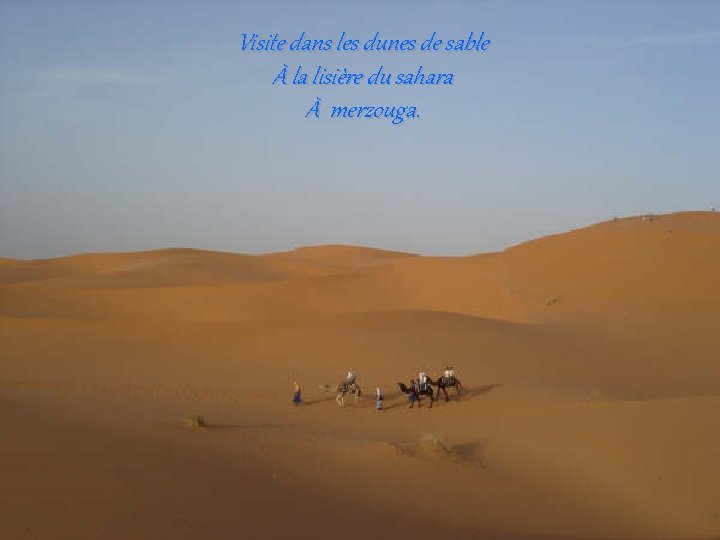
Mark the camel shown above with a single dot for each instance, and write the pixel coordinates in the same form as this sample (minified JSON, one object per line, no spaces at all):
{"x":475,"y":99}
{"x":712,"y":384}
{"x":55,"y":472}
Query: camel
{"x":443,"y":383}
{"x":342,"y":390}
{"x":416,"y":394}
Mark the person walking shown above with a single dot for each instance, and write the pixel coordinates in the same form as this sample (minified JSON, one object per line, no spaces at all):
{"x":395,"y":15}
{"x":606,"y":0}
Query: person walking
{"x":378,"y":399}
{"x":297,"y":393}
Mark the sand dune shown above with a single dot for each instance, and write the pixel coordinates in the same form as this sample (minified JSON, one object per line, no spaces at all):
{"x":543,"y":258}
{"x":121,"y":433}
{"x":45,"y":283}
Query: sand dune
{"x":590,"y":360}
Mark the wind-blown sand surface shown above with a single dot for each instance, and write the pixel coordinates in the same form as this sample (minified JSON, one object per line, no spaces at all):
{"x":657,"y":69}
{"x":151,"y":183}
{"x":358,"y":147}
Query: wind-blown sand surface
{"x":591,"y":362}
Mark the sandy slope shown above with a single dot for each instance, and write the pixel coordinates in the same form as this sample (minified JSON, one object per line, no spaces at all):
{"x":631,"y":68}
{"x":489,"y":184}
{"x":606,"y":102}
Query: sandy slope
{"x":591,"y":360}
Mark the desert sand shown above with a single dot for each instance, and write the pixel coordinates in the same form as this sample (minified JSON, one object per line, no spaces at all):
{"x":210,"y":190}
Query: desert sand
{"x":591,"y":407}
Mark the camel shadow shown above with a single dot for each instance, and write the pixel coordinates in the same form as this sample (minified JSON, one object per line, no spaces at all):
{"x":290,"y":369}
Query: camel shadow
{"x":323,"y":399}
{"x":475,"y":391}
{"x":396,"y":401}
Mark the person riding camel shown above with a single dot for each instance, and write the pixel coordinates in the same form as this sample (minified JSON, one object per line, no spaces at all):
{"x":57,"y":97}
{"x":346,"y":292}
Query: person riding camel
{"x":448,"y":374}
{"x":351,"y":376}
{"x":422,"y":381}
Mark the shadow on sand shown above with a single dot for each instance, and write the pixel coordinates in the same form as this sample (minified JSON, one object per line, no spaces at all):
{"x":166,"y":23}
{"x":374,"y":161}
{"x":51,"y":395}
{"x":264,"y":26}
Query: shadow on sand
{"x":323,"y":399}
{"x":475,"y":391}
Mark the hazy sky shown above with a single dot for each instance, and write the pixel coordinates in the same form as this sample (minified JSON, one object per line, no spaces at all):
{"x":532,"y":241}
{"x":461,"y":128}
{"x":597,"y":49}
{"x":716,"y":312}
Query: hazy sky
{"x":137,"y":125}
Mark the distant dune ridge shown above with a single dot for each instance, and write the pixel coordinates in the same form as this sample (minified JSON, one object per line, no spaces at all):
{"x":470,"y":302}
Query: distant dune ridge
{"x":591,"y":361}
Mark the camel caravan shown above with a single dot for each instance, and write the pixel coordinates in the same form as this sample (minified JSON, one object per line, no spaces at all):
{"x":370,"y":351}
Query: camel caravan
{"x":418,"y":389}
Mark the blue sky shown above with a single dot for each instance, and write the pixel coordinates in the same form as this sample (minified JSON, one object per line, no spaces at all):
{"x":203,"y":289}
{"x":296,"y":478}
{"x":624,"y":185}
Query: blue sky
{"x":140,"y":125}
